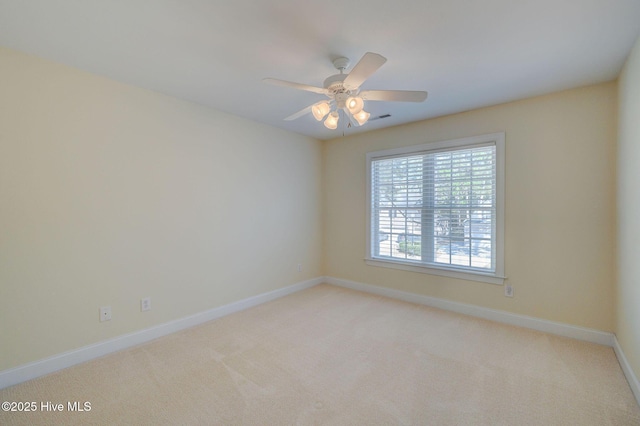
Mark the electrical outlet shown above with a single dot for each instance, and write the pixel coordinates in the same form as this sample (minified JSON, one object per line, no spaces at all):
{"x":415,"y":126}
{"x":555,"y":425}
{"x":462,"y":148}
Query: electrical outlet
{"x":508,"y":290}
{"x":145,"y":304}
{"x":105,"y":313}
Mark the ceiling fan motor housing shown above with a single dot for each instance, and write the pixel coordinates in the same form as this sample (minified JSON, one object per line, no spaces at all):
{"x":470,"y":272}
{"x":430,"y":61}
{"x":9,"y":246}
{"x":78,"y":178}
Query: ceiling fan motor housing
{"x":336,"y":89}
{"x":335,"y":83}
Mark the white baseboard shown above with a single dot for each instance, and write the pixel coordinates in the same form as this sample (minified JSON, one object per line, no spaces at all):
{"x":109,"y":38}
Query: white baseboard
{"x":627,"y":370}
{"x":67,"y":359}
{"x":566,"y":330}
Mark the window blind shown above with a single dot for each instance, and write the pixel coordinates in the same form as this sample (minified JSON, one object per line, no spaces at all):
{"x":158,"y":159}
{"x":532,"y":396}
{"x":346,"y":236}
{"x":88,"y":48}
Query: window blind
{"x":436,"y":208}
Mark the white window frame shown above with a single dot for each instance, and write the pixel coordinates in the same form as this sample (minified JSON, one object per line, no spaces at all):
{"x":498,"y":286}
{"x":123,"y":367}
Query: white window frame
{"x":495,"y":277}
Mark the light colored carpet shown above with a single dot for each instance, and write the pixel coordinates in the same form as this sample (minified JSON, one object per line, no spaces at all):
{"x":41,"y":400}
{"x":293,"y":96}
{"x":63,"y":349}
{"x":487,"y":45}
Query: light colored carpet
{"x":329,"y":355}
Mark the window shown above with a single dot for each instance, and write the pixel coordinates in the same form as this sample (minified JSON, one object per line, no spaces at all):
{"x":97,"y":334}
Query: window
{"x":438,"y":208}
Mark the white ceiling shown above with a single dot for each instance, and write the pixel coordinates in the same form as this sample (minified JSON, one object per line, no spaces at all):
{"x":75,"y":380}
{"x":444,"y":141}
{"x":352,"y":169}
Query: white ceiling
{"x":465,"y":53}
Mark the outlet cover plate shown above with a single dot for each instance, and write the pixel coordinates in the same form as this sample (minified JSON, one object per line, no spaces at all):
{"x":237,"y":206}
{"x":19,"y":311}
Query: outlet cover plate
{"x":508,"y":290}
{"x":145,"y":304}
{"x":105,"y":313}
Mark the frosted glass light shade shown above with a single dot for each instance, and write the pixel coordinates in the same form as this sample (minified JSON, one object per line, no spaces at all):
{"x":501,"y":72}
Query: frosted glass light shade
{"x":354,"y":104}
{"x":332,"y":121}
{"x":361,"y":117}
{"x":320,"y":109}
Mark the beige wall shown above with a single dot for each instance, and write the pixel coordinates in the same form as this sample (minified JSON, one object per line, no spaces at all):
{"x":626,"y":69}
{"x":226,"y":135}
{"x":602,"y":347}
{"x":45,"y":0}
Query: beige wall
{"x":110,"y":193}
{"x":560,"y":206}
{"x":628,"y":294}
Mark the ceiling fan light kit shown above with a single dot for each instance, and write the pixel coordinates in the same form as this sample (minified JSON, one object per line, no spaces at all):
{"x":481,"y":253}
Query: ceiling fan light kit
{"x":355,"y":104}
{"x":343,"y":91}
{"x":320,"y":109}
{"x":362,"y":117}
{"x":332,"y":120}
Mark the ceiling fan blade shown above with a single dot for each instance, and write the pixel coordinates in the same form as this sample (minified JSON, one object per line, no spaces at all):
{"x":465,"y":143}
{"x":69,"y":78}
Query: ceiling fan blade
{"x":293,"y":85}
{"x":369,"y":64}
{"x":394,"y":95}
{"x":300,"y":113}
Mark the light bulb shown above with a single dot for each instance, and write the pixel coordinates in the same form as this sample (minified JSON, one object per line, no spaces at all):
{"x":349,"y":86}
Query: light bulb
{"x":354,"y":104}
{"x":361,"y":117}
{"x":320,"y":109}
{"x":332,"y":121}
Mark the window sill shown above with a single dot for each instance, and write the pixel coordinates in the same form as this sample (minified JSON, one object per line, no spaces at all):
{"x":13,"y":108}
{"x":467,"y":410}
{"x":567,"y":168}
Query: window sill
{"x":444,"y":272}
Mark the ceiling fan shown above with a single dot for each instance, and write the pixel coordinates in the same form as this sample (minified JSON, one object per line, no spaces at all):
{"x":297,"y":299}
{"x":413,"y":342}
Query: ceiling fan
{"x":343,"y":91}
